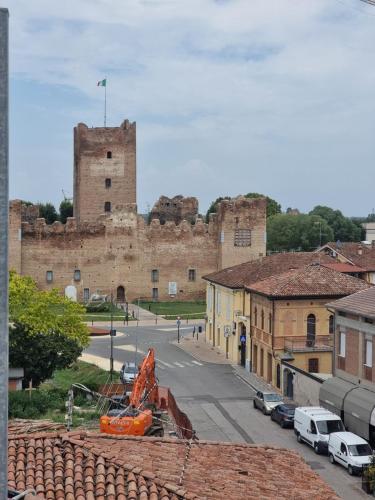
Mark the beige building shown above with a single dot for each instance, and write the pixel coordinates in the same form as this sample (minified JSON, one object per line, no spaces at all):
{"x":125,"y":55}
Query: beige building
{"x":107,"y":247}
{"x":274,"y":309}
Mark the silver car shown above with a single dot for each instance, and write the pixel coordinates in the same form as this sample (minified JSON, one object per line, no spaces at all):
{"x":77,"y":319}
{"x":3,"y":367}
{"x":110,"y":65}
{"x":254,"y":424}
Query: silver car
{"x":267,"y":401}
{"x":128,"y":373}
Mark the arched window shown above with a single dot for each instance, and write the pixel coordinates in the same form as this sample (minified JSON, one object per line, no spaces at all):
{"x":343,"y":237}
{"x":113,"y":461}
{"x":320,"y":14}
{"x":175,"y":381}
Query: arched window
{"x":270,"y":322}
{"x":311,"y":329}
{"x":331,"y":324}
{"x":262,"y":319}
{"x":255,"y":316}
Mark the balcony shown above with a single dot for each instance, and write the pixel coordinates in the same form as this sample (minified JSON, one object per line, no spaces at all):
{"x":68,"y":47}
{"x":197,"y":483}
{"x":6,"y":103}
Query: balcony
{"x":322,"y":343}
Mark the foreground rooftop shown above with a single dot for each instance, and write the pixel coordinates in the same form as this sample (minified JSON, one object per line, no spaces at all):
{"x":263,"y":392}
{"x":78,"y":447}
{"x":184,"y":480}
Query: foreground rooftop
{"x":78,"y":466}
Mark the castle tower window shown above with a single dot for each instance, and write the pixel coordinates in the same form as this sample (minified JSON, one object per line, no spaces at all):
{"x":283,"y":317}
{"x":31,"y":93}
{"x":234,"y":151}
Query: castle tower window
{"x":49,"y":276}
{"x":155,"y":293}
{"x":242,"y":238}
{"x":108,"y":183}
{"x":192,"y":275}
{"x":86,"y":294}
{"x":107,"y":206}
{"x":109,"y":155}
{"x":155,"y":275}
{"x":77,"y":275}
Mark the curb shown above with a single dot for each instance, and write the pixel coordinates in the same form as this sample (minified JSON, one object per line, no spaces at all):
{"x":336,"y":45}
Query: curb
{"x":195,"y":356}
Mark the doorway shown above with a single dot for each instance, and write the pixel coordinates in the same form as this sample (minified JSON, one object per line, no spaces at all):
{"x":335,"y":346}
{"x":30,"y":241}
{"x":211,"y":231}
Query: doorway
{"x":120,"y":294}
{"x":243,"y":344}
{"x":269,"y":368}
{"x":261,"y":362}
{"x":255,"y":359}
{"x":288,"y":383}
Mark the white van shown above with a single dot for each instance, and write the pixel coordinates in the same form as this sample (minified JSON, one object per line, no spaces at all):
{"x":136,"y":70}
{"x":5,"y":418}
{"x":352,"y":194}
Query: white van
{"x":349,"y":450}
{"x":313,"y":425}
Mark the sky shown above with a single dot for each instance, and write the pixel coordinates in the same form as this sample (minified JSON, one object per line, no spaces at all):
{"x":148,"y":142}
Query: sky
{"x":229,"y":96}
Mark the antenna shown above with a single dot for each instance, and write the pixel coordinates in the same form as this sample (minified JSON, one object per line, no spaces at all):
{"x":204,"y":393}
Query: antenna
{"x":65,"y":197}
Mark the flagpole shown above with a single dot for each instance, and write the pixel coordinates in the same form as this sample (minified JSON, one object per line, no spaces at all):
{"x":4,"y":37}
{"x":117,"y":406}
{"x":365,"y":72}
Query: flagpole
{"x":105,"y":103}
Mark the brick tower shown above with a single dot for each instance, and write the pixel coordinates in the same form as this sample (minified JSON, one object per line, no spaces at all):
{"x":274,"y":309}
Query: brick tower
{"x":104,"y":169}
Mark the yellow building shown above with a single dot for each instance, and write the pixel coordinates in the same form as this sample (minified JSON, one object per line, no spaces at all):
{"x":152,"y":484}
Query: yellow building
{"x":263,"y":311}
{"x":290,"y":321}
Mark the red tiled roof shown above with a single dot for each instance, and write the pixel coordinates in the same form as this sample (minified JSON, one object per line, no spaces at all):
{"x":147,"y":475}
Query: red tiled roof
{"x":361,"y":303}
{"x":250,"y":272}
{"x":344,"y":267}
{"x":310,"y":281}
{"x":97,"y":466}
{"x":358,"y":253}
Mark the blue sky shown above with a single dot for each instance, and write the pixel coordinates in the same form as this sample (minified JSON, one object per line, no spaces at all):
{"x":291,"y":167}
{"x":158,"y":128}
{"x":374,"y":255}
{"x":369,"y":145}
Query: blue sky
{"x":229,"y":97}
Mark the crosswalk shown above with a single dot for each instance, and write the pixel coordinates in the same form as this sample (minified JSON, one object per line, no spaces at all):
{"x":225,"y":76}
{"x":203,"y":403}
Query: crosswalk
{"x":163,"y":365}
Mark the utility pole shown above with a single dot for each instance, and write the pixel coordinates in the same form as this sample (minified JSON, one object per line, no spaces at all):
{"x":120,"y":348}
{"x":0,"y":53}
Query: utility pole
{"x":111,"y":336}
{"x":4,"y":201}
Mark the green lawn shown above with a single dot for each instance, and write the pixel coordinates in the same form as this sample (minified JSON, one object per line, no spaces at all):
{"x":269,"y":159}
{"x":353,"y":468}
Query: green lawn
{"x":105,"y":317}
{"x":170,"y":310}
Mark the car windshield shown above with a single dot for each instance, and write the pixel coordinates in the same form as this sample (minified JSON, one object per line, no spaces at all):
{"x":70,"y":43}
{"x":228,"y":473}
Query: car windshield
{"x":360,"y":450}
{"x":328,"y":426}
{"x":131,"y":369}
{"x":272,"y":398}
{"x":289,"y":411}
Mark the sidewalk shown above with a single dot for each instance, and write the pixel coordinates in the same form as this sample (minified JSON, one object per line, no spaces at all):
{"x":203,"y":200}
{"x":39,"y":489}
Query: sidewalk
{"x":203,"y":351}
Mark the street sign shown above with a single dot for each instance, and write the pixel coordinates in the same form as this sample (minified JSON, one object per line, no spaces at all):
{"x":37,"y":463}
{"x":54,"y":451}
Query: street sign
{"x":227,"y":331}
{"x":243,"y":338}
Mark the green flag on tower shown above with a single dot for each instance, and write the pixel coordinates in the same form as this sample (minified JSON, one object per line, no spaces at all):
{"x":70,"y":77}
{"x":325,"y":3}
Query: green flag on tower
{"x":102,"y":83}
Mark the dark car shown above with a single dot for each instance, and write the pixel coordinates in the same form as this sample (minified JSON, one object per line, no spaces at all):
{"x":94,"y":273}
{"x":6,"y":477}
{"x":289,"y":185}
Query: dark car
{"x":284,"y":415}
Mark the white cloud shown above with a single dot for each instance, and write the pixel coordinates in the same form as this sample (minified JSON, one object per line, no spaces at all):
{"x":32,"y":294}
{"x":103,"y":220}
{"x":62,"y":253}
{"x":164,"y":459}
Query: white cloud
{"x":272,"y":96}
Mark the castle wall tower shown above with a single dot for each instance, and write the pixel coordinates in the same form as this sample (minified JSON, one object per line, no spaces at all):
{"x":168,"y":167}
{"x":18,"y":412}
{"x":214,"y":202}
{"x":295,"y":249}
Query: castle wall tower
{"x":104,"y":169}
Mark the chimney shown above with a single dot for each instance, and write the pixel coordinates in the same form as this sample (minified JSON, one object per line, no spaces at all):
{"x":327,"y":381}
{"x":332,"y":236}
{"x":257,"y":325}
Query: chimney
{"x":373,"y":244}
{"x":359,"y":250}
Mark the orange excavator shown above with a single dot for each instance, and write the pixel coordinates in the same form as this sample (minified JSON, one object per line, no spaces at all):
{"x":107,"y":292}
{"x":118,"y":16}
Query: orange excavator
{"x":138,"y":418}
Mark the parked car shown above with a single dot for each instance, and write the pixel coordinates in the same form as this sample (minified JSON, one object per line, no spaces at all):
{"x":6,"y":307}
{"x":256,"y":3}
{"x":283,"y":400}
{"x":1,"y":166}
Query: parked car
{"x":349,"y":450}
{"x":313,"y":425}
{"x":266,"y":401}
{"x":128,"y":373}
{"x":283,"y":414}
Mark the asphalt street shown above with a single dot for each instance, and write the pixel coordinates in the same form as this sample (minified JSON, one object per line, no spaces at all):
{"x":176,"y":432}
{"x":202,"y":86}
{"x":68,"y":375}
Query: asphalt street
{"x":217,"y":401}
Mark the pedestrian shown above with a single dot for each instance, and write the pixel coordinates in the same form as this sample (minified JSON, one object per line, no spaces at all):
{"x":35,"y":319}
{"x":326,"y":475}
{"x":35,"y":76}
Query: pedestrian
{"x":149,"y":307}
{"x":194,"y":331}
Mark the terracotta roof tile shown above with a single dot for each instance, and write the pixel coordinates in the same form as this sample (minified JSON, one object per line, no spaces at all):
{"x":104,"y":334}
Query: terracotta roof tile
{"x":358,"y":253}
{"x":313,"y":280}
{"x":213,"y":471}
{"x":362,"y":303}
{"x":250,"y":272}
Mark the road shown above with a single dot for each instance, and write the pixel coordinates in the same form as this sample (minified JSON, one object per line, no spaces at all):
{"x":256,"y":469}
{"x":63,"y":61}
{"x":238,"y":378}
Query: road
{"x":217,"y":401}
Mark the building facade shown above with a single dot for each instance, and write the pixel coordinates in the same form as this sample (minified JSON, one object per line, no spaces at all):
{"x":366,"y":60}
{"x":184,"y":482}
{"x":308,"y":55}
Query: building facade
{"x":108,"y":248}
{"x":351,"y":392}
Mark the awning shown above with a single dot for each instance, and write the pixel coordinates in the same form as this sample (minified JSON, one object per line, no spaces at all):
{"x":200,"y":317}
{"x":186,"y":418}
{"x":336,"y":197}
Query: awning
{"x":359,"y":407}
{"x":333,"y":392}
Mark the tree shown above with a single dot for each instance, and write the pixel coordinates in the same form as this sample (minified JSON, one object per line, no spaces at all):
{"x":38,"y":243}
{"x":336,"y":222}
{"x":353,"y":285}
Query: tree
{"x":297,"y":232}
{"x":213,"y":207}
{"x":48,"y":212}
{"x":66,"y":210}
{"x":273,"y":207}
{"x":46,"y":321}
{"x":344,"y":229}
{"x":40,"y":354}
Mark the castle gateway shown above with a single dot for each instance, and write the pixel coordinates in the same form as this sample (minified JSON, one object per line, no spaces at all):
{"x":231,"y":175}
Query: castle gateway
{"x":107,"y":247}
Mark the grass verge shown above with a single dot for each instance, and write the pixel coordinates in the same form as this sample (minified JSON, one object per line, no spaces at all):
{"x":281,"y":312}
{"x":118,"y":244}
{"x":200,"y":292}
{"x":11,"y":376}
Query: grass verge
{"x":170,"y":310}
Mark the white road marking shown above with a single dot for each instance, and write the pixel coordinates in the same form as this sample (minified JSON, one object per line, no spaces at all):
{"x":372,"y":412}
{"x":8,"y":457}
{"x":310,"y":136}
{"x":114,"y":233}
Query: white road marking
{"x":197,"y":363}
{"x":164,"y":363}
{"x":178,"y":364}
{"x":174,"y":329}
{"x":160,"y":367}
{"x":129,"y":347}
{"x":187,"y":363}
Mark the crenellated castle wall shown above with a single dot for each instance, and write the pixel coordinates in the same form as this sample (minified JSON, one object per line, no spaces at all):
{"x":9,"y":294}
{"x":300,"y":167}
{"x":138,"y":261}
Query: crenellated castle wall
{"x":121,"y":249}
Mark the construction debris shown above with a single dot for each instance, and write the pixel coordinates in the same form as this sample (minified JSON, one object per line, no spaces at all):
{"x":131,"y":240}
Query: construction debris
{"x":24,"y":426}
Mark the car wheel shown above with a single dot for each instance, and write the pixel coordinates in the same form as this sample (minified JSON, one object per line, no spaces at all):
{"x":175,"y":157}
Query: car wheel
{"x":316,"y":448}
{"x":350,"y":470}
{"x":254,"y":403}
{"x":299,"y":439}
{"x":332,"y":459}
{"x":264,"y":411}
{"x":272,"y":417}
{"x":282,"y":424}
